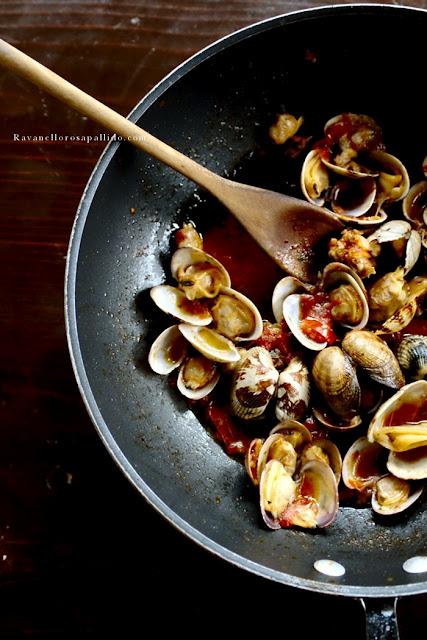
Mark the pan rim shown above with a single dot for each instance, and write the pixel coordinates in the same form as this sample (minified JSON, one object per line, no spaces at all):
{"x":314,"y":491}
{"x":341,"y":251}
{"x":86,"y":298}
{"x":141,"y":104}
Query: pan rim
{"x":329,"y":588}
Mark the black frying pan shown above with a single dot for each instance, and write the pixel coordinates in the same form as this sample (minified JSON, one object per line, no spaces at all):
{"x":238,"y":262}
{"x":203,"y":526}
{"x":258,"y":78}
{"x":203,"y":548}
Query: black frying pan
{"x":216,"y":108}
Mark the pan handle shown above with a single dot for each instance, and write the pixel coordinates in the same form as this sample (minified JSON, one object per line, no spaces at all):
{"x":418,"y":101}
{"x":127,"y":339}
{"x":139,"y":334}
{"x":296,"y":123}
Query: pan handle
{"x":381,"y":619}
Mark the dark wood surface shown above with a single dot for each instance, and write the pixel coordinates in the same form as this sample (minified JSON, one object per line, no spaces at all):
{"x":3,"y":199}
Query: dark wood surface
{"x":80,"y":552}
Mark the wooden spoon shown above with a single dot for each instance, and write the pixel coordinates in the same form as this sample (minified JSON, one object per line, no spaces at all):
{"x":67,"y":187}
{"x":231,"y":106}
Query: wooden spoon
{"x":288,"y":229}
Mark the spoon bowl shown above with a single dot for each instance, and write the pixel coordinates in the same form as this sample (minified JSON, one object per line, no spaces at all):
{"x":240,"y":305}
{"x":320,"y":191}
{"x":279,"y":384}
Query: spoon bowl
{"x":288,"y":229}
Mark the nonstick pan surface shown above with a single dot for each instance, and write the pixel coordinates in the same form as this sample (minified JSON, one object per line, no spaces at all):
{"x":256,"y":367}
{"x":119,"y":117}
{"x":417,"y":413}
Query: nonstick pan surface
{"x":216,"y":107}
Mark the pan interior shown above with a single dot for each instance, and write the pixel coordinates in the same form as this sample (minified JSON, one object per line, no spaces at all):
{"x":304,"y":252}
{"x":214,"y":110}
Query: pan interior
{"x":216,"y":109}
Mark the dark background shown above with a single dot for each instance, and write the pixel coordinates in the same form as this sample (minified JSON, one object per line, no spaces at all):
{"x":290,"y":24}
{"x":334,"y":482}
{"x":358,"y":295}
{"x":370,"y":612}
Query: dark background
{"x":81,"y":554}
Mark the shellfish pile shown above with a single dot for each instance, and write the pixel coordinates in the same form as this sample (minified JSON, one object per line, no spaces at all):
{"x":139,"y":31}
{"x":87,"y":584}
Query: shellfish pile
{"x":336,"y":358}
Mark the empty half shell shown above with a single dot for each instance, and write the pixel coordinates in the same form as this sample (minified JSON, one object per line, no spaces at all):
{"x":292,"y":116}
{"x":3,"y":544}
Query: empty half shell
{"x":210,"y":343}
{"x":363,"y":464}
{"x":400,"y":423}
{"x":284,"y":288}
{"x":174,"y":302}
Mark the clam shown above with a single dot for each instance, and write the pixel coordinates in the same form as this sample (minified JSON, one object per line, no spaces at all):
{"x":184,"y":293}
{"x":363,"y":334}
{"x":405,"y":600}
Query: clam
{"x":415,"y":204}
{"x":363,"y":464}
{"x":197,"y":377}
{"x":284,"y":288}
{"x":277,"y":490}
{"x":400,"y":423}
{"x":253,"y":384}
{"x":326,"y":451}
{"x":347,"y":295}
{"x":374,"y":356}
{"x":198,"y":274}
{"x":174,"y":302}
{"x":405,"y":240}
{"x":393,"y":495}
{"x":417,"y":289}
{"x":293,"y":391}
{"x":412,"y":356}
{"x":187,"y":236}
{"x":314,"y":178}
{"x":316,"y":503}
{"x":167,"y":351}
{"x":335,"y":377}
{"x":387,"y":295}
{"x":277,"y":447}
{"x":393,"y":179}
{"x":294,"y":432}
{"x":210,"y":343}
{"x":292,"y":312}
{"x":408,"y":465}
{"x":235,"y":316}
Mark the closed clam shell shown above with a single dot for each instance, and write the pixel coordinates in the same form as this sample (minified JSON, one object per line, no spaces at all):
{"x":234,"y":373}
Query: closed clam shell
{"x":412,"y":356}
{"x":374,"y":356}
{"x":293,"y":391}
{"x":335,"y":377}
{"x":253,"y":384}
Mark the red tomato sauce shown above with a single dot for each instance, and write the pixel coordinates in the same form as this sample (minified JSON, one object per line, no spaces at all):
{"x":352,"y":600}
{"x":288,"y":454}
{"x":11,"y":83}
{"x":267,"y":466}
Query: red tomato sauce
{"x":251,"y":270}
{"x":316,"y":318}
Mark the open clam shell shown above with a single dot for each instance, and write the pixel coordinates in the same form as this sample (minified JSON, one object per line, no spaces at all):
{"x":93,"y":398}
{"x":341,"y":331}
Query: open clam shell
{"x":398,"y":231}
{"x":316,"y":504}
{"x":314,"y":178}
{"x":167,"y":351}
{"x":174,"y":302}
{"x":363,"y":464}
{"x":393,"y":495}
{"x":292,"y":316}
{"x":351,"y":199}
{"x":409,"y":465}
{"x":415,"y":204}
{"x":400,"y":423}
{"x":197,"y":377}
{"x":326,"y":451}
{"x":236,"y":317}
{"x":294,"y":432}
{"x":198,"y":274}
{"x":284,"y":288}
{"x":277,"y":490}
{"x":393,"y":180}
{"x":348,"y":295}
{"x":277,"y":447}
{"x":210,"y":343}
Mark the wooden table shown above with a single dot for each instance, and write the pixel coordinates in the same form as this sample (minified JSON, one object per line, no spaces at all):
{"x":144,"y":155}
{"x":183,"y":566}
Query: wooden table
{"x":80,"y":552}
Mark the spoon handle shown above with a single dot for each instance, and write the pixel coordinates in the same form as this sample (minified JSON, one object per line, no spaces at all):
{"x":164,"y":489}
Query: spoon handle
{"x":28,"y":68}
